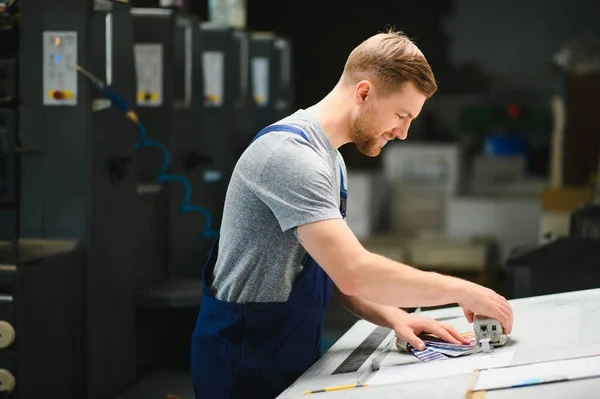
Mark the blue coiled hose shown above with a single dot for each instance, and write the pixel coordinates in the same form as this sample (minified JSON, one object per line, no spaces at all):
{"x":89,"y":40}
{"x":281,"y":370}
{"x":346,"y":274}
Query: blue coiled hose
{"x":162,"y":175}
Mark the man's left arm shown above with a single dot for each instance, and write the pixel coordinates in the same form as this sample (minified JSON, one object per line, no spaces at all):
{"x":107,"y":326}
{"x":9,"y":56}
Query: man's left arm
{"x":407,"y":326}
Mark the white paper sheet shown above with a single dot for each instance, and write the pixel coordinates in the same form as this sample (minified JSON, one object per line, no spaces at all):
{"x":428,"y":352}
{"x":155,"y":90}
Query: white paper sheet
{"x":537,"y":373}
{"x":590,"y":322}
{"x":526,"y":325}
{"x":439,"y":369}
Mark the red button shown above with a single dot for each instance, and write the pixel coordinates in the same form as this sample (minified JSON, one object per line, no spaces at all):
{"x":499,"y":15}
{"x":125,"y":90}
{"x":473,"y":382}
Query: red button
{"x":58,"y":95}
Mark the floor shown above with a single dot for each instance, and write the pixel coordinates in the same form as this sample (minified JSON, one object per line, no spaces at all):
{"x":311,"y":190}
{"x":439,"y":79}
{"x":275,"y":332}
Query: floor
{"x":161,"y":385}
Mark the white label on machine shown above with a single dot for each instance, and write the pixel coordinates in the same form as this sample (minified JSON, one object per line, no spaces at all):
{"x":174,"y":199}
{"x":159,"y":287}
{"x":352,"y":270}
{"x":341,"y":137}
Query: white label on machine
{"x":214,"y":71}
{"x":260,"y":80}
{"x":149,"y":70}
{"x":60,"y":75}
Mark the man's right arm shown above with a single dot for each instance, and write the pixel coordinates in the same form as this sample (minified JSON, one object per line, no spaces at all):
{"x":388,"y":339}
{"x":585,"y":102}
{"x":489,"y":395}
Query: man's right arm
{"x":358,"y":272}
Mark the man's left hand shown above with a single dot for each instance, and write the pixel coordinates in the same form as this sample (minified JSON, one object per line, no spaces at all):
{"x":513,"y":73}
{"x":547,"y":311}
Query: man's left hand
{"x":410,"y":326}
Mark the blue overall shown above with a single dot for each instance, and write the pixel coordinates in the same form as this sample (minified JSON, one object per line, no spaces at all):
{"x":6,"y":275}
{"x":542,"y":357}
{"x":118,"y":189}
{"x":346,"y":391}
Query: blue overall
{"x":257,"y":350}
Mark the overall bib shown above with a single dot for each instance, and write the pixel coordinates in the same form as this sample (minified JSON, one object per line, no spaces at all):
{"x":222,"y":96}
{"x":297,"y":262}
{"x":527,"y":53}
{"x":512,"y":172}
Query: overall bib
{"x":257,"y":350}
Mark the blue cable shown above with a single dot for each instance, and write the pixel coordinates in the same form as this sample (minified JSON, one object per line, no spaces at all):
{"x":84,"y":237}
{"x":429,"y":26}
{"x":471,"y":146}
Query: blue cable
{"x":162,"y":175}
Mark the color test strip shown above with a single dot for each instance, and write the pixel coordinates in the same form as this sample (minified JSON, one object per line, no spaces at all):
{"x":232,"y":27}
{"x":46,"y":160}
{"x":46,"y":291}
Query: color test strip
{"x":428,"y":355}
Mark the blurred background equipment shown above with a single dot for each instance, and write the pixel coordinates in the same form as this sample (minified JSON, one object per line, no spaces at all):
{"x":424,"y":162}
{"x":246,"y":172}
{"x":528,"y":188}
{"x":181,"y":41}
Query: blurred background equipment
{"x":119,"y":128}
{"x":567,"y":258}
{"x":121,"y":122}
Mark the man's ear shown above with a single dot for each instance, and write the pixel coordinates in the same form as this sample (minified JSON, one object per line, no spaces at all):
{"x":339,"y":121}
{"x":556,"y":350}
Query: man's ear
{"x":362,"y":92}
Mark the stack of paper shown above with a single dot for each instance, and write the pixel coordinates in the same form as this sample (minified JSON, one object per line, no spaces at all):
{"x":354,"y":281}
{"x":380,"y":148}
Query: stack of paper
{"x":438,"y":349}
{"x":427,"y":355}
{"x":452,"y":350}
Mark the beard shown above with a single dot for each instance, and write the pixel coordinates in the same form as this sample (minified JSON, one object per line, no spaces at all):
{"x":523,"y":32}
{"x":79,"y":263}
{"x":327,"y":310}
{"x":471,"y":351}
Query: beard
{"x":364,"y":135}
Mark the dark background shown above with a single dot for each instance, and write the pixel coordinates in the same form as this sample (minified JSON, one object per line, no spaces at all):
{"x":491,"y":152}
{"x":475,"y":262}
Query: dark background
{"x":485,"y":55}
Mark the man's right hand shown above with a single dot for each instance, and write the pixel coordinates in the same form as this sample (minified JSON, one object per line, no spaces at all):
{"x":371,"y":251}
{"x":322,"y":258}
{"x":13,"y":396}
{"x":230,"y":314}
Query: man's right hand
{"x":484,"y":301}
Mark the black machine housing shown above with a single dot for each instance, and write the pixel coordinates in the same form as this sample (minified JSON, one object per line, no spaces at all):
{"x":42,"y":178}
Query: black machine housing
{"x":562,"y":264}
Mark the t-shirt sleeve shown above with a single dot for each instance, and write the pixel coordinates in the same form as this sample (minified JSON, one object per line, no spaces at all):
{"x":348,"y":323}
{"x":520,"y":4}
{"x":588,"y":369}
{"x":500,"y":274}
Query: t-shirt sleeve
{"x":296,"y":184}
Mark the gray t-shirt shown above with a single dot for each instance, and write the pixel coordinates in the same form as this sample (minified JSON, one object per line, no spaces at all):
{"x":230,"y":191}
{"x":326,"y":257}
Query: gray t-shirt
{"x":280,"y":182}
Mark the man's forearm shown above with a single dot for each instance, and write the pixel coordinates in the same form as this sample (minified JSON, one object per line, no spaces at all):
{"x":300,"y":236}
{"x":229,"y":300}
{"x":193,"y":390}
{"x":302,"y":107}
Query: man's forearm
{"x":383,"y":281}
{"x":381,"y":315}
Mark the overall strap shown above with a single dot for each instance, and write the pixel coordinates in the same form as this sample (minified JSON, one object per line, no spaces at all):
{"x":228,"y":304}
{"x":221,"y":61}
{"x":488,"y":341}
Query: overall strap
{"x":343,"y":194}
{"x":281,"y":128}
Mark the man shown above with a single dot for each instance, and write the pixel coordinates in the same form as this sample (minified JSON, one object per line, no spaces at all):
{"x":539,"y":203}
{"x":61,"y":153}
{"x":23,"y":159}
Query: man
{"x":285,"y":247}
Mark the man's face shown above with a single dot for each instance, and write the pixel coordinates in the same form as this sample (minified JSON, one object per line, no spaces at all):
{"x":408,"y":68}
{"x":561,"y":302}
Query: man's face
{"x":379,"y":119}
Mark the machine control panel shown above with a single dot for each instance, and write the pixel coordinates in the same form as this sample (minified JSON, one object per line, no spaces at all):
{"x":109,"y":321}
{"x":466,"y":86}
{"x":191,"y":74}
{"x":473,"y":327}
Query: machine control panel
{"x":149,"y":69}
{"x":214,"y":78}
{"x":60,"y":74}
{"x":260,"y":80}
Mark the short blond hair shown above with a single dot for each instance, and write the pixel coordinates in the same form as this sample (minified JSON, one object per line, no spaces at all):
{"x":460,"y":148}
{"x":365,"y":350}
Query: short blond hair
{"x":390,"y":59}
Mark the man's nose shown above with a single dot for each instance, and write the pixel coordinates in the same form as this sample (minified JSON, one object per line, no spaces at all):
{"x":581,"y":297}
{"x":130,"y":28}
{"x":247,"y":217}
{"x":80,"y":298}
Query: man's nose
{"x":401,"y":131}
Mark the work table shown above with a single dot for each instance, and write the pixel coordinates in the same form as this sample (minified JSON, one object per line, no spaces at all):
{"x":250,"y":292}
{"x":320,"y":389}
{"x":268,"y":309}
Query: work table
{"x":549,"y":327}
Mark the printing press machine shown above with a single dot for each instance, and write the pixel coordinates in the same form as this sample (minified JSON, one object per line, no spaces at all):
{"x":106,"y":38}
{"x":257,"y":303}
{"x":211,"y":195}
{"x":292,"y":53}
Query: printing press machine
{"x":546,"y":328}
